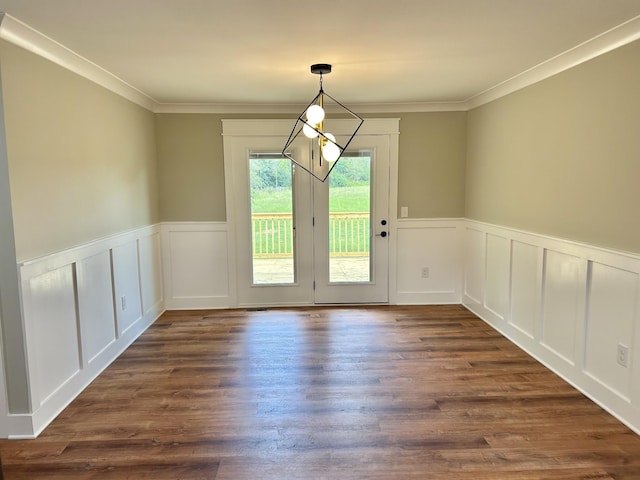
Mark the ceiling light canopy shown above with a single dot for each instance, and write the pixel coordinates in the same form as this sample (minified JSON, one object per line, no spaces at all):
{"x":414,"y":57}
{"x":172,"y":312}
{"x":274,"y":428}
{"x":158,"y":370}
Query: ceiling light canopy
{"x":315,"y":124}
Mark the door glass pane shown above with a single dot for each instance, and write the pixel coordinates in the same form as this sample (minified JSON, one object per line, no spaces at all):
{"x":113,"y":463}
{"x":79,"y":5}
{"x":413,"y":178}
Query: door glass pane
{"x":270,"y":178}
{"x":349,"y":214}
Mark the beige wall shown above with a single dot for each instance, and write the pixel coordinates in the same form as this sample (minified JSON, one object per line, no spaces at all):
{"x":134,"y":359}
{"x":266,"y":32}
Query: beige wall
{"x":82,"y":160}
{"x":562,"y":157}
{"x":431,"y":165}
{"x":191,"y":166}
{"x":559,"y":157}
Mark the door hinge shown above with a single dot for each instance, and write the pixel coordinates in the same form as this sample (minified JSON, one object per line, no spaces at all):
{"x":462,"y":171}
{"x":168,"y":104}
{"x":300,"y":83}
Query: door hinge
{"x":313,"y":221}
{"x":314,"y":284}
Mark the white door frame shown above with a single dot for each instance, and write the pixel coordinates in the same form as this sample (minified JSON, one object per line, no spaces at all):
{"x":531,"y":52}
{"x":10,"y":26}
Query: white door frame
{"x":233,"y":131}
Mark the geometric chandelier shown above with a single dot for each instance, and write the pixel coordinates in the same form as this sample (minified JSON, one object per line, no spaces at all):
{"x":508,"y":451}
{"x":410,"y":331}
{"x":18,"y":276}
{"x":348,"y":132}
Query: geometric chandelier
{"x":312,"y":123}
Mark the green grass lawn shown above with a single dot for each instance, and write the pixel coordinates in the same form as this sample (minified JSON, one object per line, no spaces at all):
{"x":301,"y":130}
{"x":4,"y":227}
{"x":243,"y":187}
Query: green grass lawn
{"x":278,"y":239}
{"x":343,"y":199}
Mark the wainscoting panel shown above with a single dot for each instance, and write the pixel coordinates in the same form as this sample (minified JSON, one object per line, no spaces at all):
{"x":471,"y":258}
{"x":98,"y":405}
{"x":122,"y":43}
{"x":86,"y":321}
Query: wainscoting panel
{"x":428,"y":262}
{"x":524,"y":288}
{"x":196,"y":265}
{"x":474,"y":264}
{"x":561,"y":308}
{"x":95,"y":305}
{"x":613,"y":297}
{"x":570,"y":305}
{"x":52,"y":336}
{"x":74,"y":320}
{"x":497,"y":275}
{"x":150,"y":253}
{"x":126,"y":282}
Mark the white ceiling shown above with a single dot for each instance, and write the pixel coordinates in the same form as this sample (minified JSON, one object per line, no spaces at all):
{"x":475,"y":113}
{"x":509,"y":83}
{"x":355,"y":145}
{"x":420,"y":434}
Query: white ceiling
{"x":259,"y":51}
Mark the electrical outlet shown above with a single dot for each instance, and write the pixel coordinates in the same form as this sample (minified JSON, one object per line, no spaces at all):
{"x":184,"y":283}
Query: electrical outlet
{"x":425,"y":272}
{"x":623,"y":355}
{"x":404,"y":212}
{"x":123,"y":302}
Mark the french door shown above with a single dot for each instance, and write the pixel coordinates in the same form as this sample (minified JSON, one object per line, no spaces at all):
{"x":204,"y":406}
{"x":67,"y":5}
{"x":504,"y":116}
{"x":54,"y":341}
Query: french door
{"x":301,"y":241}
{"x":351,"y":224}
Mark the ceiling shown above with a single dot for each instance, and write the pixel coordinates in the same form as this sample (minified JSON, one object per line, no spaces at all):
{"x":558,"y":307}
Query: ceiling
{"x":257,"y":52}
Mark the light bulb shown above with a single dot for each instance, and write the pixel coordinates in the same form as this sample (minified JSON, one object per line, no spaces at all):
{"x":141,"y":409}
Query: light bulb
{"x":315,"y":114}
{"x":309,"y":131}
{"x":330,"y":151}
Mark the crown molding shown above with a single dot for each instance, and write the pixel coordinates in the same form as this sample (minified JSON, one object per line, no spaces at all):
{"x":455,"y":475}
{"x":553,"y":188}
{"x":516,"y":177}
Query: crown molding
{"x":228,"y":108}
{"x":297,"y":108}
{"x":22,"y":35}
{"x":594,"y":47}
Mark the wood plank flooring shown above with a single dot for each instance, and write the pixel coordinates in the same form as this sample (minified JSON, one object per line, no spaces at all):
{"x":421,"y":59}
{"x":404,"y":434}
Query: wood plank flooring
{"x":420,"y":392}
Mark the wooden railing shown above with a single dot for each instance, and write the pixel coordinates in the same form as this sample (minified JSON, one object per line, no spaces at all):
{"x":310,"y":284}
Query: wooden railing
{"x":348,"y":234}
{"x":273,"y":234}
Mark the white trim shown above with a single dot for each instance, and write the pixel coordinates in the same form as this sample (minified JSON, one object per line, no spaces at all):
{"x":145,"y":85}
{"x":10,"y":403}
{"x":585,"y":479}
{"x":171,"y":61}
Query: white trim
{"x":214,"y":290}
{"x":140,"y":281}
{"x":605,"y":42}
{"x":236,"y":131}
{"x":297,"y":109}
{"x":18,"y":33}
{"x":22,"y":35}
{"x":51,"y":261}
{"x":437,"y":246}
{"x":282,"y":127}
{"x":562,"y":289}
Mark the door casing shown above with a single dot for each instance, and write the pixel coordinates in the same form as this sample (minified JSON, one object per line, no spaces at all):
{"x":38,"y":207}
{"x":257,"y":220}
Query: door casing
{"x":238,"y":135}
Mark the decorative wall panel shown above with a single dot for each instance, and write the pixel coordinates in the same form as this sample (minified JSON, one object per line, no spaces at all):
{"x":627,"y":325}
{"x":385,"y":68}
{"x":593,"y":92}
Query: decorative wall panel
{"x":562,"y":308}
{"x":75,"y":323}
{"x":428,"y":262}
{"x":474,"y":264}
{"x":572,"y":306}
{"x":497,"y":275}
{"x":613,"y":297}
{"x":525,"y":291}
{"x":196,"y":266}
{"x":52,"y":335}
{"x":95,"y":304}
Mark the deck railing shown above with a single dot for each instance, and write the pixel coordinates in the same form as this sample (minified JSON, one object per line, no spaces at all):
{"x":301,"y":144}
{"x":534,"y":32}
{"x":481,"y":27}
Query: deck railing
{"x":349,"y":234}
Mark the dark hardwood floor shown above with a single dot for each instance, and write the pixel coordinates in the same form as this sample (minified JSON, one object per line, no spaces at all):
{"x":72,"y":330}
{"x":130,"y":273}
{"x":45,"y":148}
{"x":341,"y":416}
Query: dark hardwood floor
{"x":327,"y":393}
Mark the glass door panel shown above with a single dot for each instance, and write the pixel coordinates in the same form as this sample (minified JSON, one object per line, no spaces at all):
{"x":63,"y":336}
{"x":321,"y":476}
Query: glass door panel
{"x":349,"y":219}
{"x":271,"y":222}
{"x":351,"y":245}
{"x":272,"y":219}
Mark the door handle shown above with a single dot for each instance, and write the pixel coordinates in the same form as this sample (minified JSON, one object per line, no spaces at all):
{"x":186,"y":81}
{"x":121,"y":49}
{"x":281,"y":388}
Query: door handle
{"x":381,"y":234}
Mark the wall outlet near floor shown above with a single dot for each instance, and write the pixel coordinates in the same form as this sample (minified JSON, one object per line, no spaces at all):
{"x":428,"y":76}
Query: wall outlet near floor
{"x":404,"y":212}
{"x":425,"y":272}
{"x":623,"y":355}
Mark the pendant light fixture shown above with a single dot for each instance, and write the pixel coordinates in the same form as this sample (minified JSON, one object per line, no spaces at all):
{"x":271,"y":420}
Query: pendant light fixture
{"x":314,"y":124}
